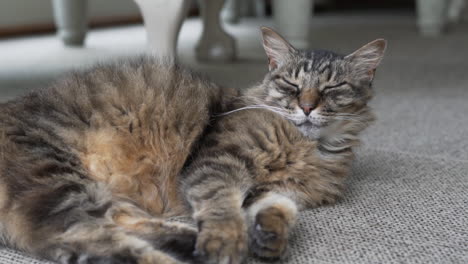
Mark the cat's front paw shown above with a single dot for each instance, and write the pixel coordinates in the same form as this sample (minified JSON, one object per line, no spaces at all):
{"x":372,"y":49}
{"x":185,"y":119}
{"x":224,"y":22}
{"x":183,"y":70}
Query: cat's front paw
{"x":269,"y":233}
{"x":222,"y":241}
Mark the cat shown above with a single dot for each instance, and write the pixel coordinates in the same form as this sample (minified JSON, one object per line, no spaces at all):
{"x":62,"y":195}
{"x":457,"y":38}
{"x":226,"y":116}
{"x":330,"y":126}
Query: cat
{"x":92,"y":167}
{"x":285,"y":145}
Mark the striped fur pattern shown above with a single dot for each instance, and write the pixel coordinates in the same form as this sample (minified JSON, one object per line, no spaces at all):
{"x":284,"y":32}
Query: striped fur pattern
{"x":286,"y":145}
{"x":88,"y":166}
{"x":92,"y":167}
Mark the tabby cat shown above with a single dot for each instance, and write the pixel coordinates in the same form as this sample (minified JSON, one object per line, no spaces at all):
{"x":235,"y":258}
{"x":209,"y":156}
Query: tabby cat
{"x":92,"y":167}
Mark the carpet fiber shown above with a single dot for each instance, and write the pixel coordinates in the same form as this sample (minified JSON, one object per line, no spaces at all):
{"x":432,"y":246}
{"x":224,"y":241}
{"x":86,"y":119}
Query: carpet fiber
{"x":407,"y":198}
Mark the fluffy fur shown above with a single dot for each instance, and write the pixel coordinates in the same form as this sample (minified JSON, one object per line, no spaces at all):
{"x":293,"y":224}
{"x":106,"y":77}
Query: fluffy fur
{"x":91,"y":167}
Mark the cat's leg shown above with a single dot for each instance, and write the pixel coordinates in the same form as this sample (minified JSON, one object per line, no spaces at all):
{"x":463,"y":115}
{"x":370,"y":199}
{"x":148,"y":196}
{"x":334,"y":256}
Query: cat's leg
{"x":177,"y":239}
{"x":79,"y":221}
{"x":103,"y":243}
{"x":215,"y":188}
{"x":272,"y":209}
{"x":136,"y":237}
{"x":270,"y":218}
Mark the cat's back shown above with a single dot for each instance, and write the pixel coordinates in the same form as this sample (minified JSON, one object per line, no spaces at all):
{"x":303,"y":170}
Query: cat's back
{"x":127,"y":85}
{"x":131,"y":119}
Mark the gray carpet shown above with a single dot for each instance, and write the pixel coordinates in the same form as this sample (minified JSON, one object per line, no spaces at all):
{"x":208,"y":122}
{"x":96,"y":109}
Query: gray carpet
{"x":407,"y":198}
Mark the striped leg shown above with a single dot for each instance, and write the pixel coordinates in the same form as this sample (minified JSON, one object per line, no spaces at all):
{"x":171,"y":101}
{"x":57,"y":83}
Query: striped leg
{"x":214,"y":188}
{"x":124,"y":234}
{"x":80,"y":222}
{"x":102,"y":243}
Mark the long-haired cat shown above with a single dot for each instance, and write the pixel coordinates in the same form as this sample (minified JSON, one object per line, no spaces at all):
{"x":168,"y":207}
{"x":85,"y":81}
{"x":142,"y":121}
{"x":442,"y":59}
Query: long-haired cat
{"x":92,"y":167}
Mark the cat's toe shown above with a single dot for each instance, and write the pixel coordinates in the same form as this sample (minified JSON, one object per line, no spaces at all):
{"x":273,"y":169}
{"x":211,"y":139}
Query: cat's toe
{"x":269,"y":234}
{"x":222,"y":241}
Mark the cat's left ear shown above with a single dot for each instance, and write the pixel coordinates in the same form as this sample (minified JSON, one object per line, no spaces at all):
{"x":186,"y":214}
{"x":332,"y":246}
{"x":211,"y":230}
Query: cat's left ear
{"x":366,"y":59}
{"x":276,"y":47}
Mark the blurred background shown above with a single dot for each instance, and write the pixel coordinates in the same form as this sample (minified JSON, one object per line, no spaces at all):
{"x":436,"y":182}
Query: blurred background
{"x":31,"y":54}
{"x":407,"y":200}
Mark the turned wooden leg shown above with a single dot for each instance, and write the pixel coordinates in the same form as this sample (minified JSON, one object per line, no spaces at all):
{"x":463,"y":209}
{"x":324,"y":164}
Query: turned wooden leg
{"x":432,"y":16}
{"x":71,"y":21}
{"x":163,"y":19}
{"x":215,"y":44}
{"x":292,"y":19}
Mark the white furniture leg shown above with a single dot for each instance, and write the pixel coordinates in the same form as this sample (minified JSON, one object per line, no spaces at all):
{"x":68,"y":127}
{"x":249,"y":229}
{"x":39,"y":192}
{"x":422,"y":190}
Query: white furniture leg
{"x":71,"y":21}
{"x":432,"y":16}
{"x":231,"y":11}
{"x":455,"y":10}
{"x":292,"y":19}
{"x":163,"y":19}
{"x":235,"y":9}
{"x":259,"y":6}
{"x":215,"y":44}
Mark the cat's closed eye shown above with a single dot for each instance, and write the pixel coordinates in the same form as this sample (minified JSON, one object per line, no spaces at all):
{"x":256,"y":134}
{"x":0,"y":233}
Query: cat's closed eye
{"x":331,"y":86}
{"x":340,"y":97}
{"x":288,"y":87}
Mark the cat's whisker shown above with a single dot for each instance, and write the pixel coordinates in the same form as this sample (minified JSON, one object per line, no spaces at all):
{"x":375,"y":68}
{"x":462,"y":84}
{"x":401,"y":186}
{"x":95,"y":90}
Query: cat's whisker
{"x":346,"y":114}
{"x":344,"y":118}
{"x":247,"y":108}
{"x":274,"y":109}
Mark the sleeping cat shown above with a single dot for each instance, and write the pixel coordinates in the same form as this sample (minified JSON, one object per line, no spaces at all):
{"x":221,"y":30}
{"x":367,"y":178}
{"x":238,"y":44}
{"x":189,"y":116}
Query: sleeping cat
{"x":92,"y":167}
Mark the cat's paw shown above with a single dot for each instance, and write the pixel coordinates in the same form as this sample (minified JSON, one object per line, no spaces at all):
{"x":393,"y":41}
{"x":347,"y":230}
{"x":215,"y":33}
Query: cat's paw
{"x":269,"y":233}
{"x":222,"y":241}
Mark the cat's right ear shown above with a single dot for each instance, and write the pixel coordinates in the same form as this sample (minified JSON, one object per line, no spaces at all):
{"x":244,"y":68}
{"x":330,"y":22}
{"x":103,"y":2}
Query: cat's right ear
{"x":276,"y":47}
{"x":366,"y":59}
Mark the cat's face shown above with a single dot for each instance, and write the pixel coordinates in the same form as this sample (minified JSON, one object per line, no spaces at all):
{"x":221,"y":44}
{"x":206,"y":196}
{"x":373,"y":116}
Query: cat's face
{"x":314,"y":89}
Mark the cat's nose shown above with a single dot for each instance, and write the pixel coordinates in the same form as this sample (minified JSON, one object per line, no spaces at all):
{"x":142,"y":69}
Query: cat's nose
{"x":307,"y":108}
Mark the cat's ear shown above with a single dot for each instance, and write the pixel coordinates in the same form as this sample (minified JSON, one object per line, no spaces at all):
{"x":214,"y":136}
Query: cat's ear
{"x":276,"y":47}
{"x":366,"y":59}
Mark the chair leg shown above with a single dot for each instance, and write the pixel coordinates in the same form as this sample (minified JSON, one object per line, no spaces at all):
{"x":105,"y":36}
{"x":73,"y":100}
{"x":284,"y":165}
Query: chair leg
{"x":71,"y":21}
{"x":163,"y":20}
{"x":432,"y":16}
{"x":215,"y":44}
{"x":292,"y":19}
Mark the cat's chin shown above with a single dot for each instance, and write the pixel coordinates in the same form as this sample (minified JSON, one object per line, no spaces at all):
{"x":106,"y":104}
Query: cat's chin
{"x":309,"y":130}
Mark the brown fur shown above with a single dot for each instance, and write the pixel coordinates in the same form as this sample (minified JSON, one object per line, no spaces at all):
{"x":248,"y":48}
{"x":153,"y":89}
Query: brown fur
{"x":91,"y":167}
{"x":262,"y":153}
{"x":95,"y":143}
{"x":262,"y":156}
